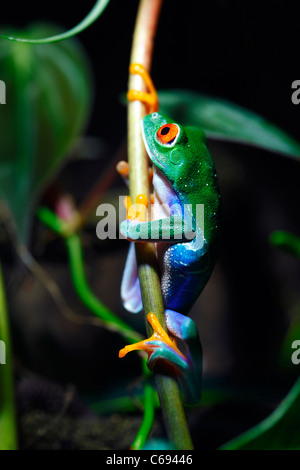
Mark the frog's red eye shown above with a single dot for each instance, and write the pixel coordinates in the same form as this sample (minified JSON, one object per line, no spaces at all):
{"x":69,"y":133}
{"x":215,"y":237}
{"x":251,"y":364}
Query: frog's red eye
{"x":167,"y":134}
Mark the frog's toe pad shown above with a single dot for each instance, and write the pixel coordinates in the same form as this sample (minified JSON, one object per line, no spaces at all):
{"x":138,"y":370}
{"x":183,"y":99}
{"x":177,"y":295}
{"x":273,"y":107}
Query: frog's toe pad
{"x":166,"y":354}
{"x":181,"y":326}
{"x":159,"y":346}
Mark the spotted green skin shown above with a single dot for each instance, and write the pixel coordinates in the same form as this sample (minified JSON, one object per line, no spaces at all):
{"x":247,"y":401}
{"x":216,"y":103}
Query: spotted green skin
{"x":187,"y":178}
{"x":184,"y":174}
{"x":189,"y":167}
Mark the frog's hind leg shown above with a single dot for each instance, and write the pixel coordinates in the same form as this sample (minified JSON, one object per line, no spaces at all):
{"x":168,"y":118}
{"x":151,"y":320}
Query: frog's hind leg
{"x":130,"y":286}
{"x":185,"y":329}
{"x":163,"y":348}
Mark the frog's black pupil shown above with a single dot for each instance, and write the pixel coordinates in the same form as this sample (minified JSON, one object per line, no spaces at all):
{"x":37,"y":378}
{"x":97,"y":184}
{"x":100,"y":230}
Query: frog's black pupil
{"x":165,"y":130}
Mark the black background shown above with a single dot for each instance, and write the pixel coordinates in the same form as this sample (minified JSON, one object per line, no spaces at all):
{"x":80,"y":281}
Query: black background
{"x":245,"y":52}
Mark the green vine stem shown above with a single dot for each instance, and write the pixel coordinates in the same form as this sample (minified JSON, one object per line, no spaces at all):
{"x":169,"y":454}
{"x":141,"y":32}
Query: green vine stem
{"x":284,"y":417}
{"x":74,"y":247}
{"x":92,"y":16}
{"x":91,"y":201}
{"x":149,"y":411}
{"x":110,"y":321}
{"x":167,"y":387}
{"x":73,"y":243}
{"x":8,"y":432}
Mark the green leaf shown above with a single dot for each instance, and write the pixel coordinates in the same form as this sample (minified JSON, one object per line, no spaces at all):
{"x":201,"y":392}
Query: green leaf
{"x":48,"y":98}
{"x":290,"y":243}
{"x":8,"y":431}
{"x":286,"y":241}
{"x":223,"y":120}
{"x":281,"y":430}
{"x":92,"y":16}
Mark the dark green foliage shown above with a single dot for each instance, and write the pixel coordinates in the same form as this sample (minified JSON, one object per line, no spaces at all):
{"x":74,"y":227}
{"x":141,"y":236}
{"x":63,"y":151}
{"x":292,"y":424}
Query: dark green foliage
{"x":48,"y":97}
{"x":223,"y":120}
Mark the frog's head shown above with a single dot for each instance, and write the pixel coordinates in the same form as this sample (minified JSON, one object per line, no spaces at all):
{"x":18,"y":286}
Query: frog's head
{"x":173,"y":149}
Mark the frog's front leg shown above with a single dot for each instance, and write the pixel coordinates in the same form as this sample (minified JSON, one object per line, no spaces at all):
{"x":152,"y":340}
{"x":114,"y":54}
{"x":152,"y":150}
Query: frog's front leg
{"x":161,"y":348}
{"x":172,"y":229}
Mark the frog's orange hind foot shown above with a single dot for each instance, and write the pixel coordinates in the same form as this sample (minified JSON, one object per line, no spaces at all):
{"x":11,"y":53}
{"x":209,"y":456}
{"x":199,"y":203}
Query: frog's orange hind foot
{"x":150,"y":344}
{"x":150,"y":97}
{"x":144,"y":97}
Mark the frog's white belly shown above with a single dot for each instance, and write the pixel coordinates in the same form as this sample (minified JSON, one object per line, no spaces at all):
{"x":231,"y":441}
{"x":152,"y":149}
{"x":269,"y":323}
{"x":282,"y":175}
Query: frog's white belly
{"x":179,"y":286}
{"x":166,"y":201}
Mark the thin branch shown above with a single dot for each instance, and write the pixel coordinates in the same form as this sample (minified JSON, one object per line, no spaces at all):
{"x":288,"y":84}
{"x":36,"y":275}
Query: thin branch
{"x":8,"y":432}
{"x":88,"y":206}
{"x":92,"y":16}
{"x":108,"y":319}
{"x":142,"y":48}
{"x":73,"y":243}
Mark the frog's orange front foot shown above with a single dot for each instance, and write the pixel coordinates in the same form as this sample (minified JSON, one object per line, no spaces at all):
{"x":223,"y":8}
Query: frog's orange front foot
{"x":137,"y":211}
{"x":150,"y":97}
{"x":122,"y":168}
{"x":158,"y":346}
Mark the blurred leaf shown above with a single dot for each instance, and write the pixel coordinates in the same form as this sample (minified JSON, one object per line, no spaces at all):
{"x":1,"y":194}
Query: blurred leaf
{"x":279,"y":431}
{"x":286,"y":241}
{"x":293,"y":333}
{"x":8,"y":431}
{"x":223,"y":120}
{"x":158,"y":444}
{"x":92,"y":16}
{"x":290,"y":243}
{"x":48,"y":97}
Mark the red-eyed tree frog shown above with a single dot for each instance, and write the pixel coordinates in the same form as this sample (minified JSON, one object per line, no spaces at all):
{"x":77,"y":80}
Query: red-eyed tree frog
{"x":186,"y":239}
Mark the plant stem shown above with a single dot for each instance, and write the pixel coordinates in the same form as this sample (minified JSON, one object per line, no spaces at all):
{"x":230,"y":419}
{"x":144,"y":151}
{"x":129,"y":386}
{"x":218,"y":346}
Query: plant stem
{"x":149,"y":406}
{"x":92,"y":200}
{"x":8,"y":433}
{"x":74,"y":247}
{"x":141,"y":52}
{"x":92,"y":16}
{"x":267,"y":432}
{"x":73,"y":243}
{"x":110,"y":321}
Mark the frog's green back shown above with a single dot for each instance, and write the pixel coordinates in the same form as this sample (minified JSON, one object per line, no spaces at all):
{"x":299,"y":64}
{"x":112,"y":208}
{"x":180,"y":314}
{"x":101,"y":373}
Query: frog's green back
{"x":197,"y":182}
